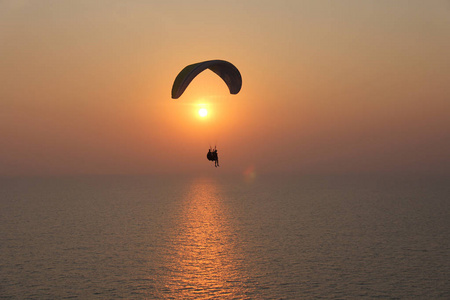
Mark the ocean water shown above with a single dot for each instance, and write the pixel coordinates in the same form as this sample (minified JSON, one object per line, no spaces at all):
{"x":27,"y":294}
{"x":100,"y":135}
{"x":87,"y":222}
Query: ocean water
{"x":113,"y":237}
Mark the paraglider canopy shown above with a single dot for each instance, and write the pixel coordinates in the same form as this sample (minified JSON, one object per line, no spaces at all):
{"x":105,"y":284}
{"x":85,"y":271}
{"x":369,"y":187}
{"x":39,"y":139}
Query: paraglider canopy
{"x":227,"y":71}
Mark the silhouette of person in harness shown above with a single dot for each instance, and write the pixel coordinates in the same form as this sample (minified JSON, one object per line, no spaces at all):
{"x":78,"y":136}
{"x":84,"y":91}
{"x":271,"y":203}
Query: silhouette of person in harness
{"x":212,"y":156}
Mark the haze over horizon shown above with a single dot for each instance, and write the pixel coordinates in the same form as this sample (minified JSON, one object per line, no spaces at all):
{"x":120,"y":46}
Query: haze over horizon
{"x":328,"y":87}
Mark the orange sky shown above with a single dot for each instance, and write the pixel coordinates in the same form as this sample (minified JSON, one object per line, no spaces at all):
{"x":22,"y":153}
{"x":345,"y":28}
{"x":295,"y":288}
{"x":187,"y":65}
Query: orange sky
{"x":328,"y":86}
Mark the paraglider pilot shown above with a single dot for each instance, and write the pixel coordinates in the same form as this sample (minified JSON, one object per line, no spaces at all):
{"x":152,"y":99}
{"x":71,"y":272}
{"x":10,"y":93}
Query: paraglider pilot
{"x":212,"y":156}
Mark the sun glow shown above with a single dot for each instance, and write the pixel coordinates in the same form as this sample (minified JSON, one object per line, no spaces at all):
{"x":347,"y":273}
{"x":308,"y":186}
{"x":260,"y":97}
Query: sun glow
{"x":202,"y":112}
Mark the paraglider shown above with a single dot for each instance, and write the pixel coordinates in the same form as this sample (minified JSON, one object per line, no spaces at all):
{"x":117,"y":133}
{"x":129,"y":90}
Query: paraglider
{"x":212,"y":156}
{"x":226,"y":70}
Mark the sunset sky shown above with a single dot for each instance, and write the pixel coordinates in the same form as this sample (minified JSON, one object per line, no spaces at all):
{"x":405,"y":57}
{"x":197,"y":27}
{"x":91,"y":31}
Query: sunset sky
{"x":328,"y":87}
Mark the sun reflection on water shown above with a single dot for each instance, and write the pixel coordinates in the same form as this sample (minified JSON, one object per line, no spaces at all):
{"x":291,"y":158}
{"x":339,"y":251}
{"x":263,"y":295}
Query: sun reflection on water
{"x":205,"y":261}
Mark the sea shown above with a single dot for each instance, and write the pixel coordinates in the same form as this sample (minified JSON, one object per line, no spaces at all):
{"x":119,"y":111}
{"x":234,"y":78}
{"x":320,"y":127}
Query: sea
{"x":225,"y":237}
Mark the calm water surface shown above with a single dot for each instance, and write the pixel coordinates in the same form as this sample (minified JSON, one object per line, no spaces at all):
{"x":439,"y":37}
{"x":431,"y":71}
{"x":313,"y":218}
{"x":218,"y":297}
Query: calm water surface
{"x":185,"y":238}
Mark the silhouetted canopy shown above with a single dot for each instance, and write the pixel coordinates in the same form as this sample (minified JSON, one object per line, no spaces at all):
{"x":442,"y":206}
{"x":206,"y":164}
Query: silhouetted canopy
{"x":227,"y":71}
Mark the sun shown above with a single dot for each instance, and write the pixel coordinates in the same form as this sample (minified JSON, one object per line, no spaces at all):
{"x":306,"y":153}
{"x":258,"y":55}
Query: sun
{"x":202,"y":112}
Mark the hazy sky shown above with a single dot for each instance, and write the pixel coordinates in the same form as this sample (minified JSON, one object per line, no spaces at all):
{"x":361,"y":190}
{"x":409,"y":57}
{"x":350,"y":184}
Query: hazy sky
{"x":328,"y":86}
